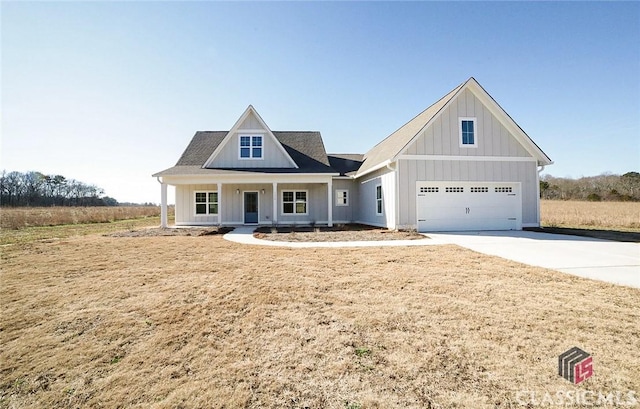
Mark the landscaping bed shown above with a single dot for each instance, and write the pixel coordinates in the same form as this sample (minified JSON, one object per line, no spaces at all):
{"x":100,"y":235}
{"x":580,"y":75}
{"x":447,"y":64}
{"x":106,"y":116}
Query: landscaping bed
{"x":345,"y":232}
{"x":159,"y":231}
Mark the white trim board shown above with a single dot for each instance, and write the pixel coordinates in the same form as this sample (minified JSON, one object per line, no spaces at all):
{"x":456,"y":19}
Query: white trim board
{"x":470,"y":158}
{"x":258,"y":178}
{"x":371,"y":180}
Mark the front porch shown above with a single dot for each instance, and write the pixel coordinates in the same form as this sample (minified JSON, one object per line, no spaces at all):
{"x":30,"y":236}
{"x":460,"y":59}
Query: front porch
{"x":251,"y":203}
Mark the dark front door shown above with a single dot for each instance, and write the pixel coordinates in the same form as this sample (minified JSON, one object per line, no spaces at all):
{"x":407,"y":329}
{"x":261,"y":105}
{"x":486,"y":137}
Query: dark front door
{"x":250,"y":207}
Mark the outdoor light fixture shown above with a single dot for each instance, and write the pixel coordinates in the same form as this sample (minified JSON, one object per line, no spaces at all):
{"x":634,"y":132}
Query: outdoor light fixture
{"x":237,"y":191}
{"x":262,"y":191}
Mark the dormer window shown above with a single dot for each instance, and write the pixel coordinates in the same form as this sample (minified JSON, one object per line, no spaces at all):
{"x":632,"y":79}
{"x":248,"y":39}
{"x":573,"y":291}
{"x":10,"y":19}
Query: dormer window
{"x":468,"y":137}
{"x":250,"y":147}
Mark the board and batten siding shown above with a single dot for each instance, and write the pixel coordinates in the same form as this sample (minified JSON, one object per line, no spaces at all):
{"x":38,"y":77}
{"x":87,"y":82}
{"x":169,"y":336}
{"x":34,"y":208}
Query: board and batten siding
{"x":442,"y":136}
{"x":367,"y":198}
{"x":230,"y":204}
{"x":346,"y":214}
{"x":273,"y":156}
{"x":316,"y":204}
{"x":186,"y":205}
{"x":411,"y":171}
{"x":233,"y":203}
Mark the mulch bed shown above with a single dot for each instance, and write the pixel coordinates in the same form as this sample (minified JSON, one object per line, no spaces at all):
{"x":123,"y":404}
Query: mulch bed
{"x":158,"y":231}
{"x":348,"y":232}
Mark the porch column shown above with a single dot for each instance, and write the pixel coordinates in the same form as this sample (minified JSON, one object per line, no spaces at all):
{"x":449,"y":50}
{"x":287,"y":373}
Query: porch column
{"x":330,"y":203}
{"x":275,"y":203}
{"x":163,"y":205}
{"x":219,"y":204}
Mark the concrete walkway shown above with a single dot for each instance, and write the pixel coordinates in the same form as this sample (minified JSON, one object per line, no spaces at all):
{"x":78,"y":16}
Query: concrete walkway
{"x":244,"y":235}
{"x":604,"y":260}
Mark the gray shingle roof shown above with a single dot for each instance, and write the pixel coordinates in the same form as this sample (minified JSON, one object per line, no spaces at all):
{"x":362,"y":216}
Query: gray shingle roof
{"x":201,"y":147}
{"x":305,"y":148}
{"x":308,"y":152}
{"x":346,"y":163}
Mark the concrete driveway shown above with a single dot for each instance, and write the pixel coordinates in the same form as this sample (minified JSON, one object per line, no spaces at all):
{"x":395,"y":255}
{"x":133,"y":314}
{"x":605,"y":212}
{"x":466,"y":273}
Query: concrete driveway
{"x":603,"y":260}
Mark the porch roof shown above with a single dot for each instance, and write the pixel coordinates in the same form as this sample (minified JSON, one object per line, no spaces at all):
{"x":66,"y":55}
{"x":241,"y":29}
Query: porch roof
{"x":191,"y":170}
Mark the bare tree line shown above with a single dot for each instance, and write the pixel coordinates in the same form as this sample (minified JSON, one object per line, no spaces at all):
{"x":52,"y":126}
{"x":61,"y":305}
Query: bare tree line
{"x":38,"y":189}
{"x":605,"y":187}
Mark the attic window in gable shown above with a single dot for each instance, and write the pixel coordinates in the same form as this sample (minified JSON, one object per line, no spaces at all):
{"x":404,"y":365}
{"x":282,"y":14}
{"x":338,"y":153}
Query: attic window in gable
{"x":250,"y":147}
{"x":468,"y":135}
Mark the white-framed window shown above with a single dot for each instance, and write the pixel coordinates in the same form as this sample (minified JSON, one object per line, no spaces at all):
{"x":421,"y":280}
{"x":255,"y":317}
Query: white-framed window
{"x":206,"y":203}
{"x":294,"y":201}
{"x":468,"y":133}
{"x":250,"y":147}
{"x":342,"y":197}
{"x":379,"y":207}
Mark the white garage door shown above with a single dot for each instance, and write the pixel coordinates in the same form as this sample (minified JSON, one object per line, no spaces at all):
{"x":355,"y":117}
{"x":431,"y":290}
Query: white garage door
{"x":459,"y":206}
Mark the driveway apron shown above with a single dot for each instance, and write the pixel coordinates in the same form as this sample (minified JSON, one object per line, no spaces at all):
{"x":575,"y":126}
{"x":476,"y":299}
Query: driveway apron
{"x":604,"y":260}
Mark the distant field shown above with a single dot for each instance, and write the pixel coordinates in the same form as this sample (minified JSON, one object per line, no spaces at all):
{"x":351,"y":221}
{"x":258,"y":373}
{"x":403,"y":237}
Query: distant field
{"x":21,"y":217}
{"x":591,"y":215}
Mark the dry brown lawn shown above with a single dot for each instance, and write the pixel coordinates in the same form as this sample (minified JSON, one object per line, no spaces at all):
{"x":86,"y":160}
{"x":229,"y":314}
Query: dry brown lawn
{"x":194,"y":322}
{"x":623,"y":216}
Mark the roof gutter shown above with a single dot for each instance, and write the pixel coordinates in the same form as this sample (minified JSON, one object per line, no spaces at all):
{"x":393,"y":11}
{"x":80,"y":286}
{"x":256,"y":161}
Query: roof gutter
{"x":373,"y":169}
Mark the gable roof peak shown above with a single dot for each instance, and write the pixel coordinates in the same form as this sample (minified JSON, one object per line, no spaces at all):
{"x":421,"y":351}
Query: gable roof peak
{"x":387,"y":150}
{"x":269,"y":134}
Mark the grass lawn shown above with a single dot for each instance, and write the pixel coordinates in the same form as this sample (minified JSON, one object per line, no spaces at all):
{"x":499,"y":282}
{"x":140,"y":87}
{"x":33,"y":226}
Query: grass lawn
{"x":192,"y":322}
{"x":616,"y":216}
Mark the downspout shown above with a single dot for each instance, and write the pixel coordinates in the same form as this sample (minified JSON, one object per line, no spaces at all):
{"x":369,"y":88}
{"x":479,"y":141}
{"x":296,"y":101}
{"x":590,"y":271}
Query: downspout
{"x":393,"y":166}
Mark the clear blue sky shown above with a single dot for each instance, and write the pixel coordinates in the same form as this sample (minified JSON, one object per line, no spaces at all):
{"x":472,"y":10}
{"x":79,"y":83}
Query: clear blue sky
{"x":110,"y":92}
